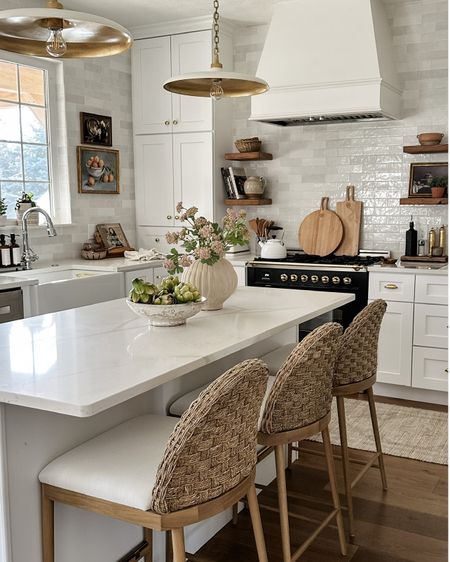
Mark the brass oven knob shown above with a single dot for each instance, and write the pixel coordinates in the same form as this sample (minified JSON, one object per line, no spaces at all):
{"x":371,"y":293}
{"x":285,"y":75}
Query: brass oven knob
{"x":314,"y":278}
{"x":347,"y":280}
{"x":325,"y":279}
{"x":303,"y":278}
{"x":294,"y":277}
{"x":336,"y":280}
{"x":283,"y":277}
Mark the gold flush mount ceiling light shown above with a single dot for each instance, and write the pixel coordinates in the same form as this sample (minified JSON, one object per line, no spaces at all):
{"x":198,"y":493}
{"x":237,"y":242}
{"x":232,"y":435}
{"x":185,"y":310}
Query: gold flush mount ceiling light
{"x":55,"y":32}
{"x":215,"y":82}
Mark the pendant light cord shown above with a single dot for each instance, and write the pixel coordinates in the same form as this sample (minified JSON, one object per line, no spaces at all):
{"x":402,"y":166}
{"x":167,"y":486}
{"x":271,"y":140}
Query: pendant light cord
{"x":216,"y":62}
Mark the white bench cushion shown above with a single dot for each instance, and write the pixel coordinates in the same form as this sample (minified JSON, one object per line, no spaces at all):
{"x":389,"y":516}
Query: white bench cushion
{"x":119,"y":465}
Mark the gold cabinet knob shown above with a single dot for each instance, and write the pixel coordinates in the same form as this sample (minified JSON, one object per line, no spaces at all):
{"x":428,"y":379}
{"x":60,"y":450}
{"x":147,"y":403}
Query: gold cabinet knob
{"x":175,"y":122}
{"x":177,"y":217}
{"x":391,"y":286}
{"x":169,"y":217}
{"x":167,"y":122}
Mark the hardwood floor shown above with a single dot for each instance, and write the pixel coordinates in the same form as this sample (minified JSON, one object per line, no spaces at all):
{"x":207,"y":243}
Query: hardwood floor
{"x":408,"y":523}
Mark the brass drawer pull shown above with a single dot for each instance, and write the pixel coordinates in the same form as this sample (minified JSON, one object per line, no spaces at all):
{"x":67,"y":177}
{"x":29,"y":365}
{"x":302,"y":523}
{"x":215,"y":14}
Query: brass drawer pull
{"x":391,"y":286}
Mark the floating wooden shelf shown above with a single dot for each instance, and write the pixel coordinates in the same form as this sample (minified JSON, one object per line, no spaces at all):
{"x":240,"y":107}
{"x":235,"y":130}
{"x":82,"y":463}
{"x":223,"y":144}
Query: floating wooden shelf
{"x":248,"y":156}
{"x":421,"y":149}
{"x":424,"y":201}
{"x":247,"y":202}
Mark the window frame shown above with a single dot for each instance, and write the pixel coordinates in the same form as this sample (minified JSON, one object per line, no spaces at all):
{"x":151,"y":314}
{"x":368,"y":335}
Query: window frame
{"x":59,"y":186}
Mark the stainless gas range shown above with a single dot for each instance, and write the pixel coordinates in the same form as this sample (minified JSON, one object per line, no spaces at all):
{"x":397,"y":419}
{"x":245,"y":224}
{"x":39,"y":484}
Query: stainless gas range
{"x":342,"y":274}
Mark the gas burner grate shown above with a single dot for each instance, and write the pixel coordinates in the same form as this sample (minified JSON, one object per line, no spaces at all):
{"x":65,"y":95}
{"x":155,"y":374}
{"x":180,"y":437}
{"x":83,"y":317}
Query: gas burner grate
{"x":327,"y":260}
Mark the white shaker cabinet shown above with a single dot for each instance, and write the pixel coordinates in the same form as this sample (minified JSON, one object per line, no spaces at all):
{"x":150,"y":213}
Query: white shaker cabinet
{"x":413,"y":337}
{"x":172,"y":168}
{"x":154,"y":61}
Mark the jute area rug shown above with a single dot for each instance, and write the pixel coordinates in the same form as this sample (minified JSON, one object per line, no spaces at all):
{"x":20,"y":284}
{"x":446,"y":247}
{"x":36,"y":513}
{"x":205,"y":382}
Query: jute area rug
{"x":412,"y":433}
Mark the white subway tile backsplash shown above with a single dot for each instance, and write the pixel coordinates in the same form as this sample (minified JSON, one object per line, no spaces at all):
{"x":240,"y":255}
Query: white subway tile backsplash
{"x":313,"y":161}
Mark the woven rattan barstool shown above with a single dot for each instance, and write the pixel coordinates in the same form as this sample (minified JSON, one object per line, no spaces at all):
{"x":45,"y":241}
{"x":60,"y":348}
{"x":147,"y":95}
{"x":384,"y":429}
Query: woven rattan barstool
{"x":162,"y":473}
{"x":296,"y":408}
{"x":355,"y":372}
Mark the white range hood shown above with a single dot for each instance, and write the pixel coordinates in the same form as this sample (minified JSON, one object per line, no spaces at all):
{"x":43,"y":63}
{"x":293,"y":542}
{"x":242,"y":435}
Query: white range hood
{"x":327,"y":61}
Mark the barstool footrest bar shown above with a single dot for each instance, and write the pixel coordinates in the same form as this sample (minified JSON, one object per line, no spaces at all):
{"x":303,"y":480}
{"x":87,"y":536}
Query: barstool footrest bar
{"x":368,"y":464}
{"x":136,"y":553}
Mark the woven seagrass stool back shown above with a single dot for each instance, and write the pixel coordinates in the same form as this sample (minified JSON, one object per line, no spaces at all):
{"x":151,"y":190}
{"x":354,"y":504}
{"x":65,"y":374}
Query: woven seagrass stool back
{"x":213,"y":446}
{"x":298,"y":407}
{"x":358,"y":355}
{"x":301,"y":393}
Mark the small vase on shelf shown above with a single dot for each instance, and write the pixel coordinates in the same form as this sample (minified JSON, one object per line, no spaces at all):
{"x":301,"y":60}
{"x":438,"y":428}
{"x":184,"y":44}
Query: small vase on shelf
{"x":216,"y":282}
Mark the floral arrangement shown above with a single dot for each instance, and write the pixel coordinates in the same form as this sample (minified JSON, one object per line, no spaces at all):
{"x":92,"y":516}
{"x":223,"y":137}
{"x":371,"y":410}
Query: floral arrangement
{"x":204,"y":240}
{"x":25,"y":198}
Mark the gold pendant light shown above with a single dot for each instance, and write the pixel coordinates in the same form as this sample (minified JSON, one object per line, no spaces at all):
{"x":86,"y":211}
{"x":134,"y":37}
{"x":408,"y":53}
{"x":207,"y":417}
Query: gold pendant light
{"x":56,"y":32}
{"x":215,"y":82}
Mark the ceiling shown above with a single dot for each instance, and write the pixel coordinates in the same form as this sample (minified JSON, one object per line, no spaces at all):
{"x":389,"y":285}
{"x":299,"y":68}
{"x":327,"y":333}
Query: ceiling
{"x":132,"y":13}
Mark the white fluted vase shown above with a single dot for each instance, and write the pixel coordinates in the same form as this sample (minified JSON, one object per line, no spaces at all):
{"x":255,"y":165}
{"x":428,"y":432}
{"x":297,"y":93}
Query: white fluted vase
{"x":215,"y":282}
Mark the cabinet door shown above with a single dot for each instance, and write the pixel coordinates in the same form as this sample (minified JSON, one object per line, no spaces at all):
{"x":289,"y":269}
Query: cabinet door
{"x":431,"y":325}
{"x":395,"y":344}
{"x":158,"y":274}
{"x":151,"y":67}
{"x":191,"y":52}
{"x":193,"y":174}
{"x":430,"y":368}
{"x":153,"y":180}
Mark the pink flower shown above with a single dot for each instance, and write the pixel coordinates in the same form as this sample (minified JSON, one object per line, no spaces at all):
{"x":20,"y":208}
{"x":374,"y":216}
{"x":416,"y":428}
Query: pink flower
{"x":191,"y":212}
{"x":172,"y":237}
{"x":206,"y":231}
{"x":169,"y":264}
{"x":179,"y":207}
{"x":218,"y":248}
{"x":183,"y":217}
{"x":185,"y":261}
{"x":204,"y":253}
{"x":201,"y":221}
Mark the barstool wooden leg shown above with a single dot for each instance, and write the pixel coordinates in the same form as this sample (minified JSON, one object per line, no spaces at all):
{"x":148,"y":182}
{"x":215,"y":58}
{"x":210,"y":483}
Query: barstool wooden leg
{"x":282,"y":502}
{"x":179,"y":552}
{"x":235,"y":514}
{"x":345,"y":464}
{"x":148,"y":536}
{"x":256,"y":523}
{"x":376,"y":434}
{"x":48,"y":527}
{"x":334,"y":493}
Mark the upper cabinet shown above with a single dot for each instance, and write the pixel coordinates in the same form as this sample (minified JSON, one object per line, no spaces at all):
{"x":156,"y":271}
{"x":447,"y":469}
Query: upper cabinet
{"x":154,"y":61}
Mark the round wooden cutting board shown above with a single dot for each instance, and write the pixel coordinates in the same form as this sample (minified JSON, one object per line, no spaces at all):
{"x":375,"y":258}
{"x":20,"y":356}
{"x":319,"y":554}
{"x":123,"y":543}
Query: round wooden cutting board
{"x":321,"y":232}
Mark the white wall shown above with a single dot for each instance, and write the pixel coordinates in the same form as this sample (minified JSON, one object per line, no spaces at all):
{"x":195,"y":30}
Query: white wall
{"x":313,"y":161}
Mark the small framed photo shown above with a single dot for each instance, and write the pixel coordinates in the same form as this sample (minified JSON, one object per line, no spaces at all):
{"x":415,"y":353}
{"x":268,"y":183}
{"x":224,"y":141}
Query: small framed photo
{"x":98,"y":170}
{"x":421,"y":176}
{"x":95,"y":129}
{"x":113,"y":238}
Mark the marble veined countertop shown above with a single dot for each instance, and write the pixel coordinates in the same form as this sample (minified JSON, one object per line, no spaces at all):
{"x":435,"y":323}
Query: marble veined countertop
{"x":83,"y":361}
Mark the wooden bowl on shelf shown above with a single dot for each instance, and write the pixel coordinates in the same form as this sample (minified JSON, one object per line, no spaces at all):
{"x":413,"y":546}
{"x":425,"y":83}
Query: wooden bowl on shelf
{"x":430,"y":139}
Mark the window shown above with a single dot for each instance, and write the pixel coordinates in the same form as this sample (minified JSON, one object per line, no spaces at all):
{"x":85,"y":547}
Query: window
{"x":31,"y":134}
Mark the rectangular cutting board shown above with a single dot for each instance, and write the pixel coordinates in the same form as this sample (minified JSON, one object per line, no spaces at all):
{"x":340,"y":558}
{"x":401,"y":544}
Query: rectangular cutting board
{"x":349,"y":212}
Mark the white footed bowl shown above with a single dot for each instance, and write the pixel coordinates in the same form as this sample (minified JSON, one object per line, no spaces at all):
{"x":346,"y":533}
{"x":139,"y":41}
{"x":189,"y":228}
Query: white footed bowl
{"x":166,"y":314}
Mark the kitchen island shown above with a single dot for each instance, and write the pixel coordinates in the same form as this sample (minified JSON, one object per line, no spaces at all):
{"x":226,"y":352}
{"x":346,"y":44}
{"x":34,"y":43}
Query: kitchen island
{"x":68,"y":376}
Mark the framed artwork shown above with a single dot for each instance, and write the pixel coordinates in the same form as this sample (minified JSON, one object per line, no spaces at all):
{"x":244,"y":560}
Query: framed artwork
{"x":95,"y":129}
{"x":113,"y":238}
{"x":421,"y":175}
{"x":98,"y":170}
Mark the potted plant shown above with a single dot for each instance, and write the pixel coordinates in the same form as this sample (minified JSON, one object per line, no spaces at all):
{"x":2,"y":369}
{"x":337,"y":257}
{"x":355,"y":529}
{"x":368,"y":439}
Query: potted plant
{"x":24,"y":203}
{"x":438,"y":186}
{"x":3,"y":208}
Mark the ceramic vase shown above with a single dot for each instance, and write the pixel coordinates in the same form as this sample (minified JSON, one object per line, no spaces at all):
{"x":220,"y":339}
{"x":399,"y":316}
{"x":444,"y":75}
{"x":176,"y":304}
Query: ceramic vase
{"x":215,"y":282}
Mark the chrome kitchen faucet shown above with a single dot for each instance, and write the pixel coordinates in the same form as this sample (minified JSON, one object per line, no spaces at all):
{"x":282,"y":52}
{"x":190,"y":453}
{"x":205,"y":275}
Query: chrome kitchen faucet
{"x":28,"y":255}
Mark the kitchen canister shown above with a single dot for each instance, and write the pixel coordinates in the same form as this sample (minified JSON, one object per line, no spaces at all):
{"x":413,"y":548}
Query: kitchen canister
{"x":254,"y":187}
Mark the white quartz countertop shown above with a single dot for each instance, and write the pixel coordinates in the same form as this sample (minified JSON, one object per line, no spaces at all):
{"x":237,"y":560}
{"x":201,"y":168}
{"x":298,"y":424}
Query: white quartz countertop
{"x":10,"y":281}
{"x":83,"y":361}
{"x":418,"y":268}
